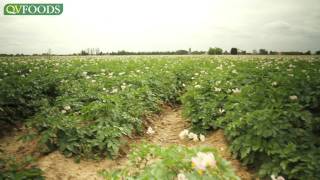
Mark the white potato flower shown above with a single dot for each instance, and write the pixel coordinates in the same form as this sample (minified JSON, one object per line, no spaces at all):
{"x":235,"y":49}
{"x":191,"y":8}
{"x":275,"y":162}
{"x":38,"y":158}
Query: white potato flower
{"x":67,"y":108}
{"x":150,"y":131}
{"x":190,"y":135}
{"x":220,"y":67}
{"x":273,"y":177}
{"x":183,"y":134}
{"x":181,"y":176}
{"x":193,"y":136}
{"x":221,"y":110}
{"x":123,"y":86}
{"x":217,"y":89}
{"x":114,"y":90}
{"x":293,"y":98}
{"x":236,"y":91}
{"x":202,"y":138}
{"x":203,"y":161}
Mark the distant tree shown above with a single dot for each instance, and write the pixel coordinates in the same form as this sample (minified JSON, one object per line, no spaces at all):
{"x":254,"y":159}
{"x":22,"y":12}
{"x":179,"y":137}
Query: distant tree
{"x":308,"y":53}
{"x":198,"y":52}
{"x":263,"y":52}
{"x":234,"y":51}
{"x":84,"y":53}
{"x":243,"y":52}
{"x":216,"y":51}
{"x":122,"y":52}
{"x":182,"y":52}
{"x":317,"y":52}
{"x":273,"y":53}
{"x":219,"y":51}
{"x":292,"y":53}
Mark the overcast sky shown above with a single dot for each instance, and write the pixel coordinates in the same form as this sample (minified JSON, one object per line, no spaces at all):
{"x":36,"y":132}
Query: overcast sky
{"x":161,"y":25}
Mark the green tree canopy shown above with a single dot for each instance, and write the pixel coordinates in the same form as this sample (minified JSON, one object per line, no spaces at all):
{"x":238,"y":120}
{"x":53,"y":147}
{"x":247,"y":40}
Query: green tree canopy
{"x":215,"y":50}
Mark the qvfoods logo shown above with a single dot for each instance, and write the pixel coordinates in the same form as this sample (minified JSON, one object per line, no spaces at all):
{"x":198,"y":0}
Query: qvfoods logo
{"x":33,"y":9}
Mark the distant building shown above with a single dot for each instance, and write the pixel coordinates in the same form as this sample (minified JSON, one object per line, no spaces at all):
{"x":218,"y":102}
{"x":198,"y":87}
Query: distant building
{"x":254,"y":52}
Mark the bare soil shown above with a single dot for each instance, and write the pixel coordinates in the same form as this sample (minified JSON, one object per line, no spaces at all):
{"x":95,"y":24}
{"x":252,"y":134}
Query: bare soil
{"x":56,"y":167}
{"x":13,"y":147}
{"x":171,"y":123}
{"x":167,"y":127}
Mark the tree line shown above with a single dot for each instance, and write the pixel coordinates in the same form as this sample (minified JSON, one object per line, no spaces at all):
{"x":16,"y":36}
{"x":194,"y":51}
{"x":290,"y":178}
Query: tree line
{"x":211,"y":51}
{"x":236,"y":51}
{"x":123,"y":52}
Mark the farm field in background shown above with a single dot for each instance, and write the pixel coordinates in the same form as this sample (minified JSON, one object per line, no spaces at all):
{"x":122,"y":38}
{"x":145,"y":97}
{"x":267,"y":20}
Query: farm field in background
{"x":90,"y":107}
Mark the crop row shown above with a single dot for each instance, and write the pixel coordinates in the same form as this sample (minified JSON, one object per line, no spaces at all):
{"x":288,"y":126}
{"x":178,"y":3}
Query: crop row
{"x":85,"y":107}
{"x":269,"y":111}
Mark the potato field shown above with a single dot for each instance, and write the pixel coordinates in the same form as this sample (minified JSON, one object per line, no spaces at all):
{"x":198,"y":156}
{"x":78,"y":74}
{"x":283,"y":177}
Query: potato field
{"x":100,"y":107}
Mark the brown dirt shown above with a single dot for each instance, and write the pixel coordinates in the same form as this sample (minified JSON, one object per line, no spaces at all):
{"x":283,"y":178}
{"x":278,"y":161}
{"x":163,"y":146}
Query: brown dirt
{"x":167,"y":128}
{"x":12,"y":146}
{"x":56,"y":167}
{"x":170,"y":124}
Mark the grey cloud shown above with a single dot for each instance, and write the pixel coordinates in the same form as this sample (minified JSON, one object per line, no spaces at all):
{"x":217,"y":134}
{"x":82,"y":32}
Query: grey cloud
{"x":278,"y":26}
{"x":246,"y":24}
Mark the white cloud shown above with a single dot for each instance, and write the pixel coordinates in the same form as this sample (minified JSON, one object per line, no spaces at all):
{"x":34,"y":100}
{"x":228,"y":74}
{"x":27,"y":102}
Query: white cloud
{"x":146,"y":25}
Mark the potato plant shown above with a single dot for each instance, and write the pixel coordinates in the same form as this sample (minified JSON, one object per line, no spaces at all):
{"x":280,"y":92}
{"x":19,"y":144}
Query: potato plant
{"x":87,"y":107}
{"x":269,"y":110}
{"x":148,"y":161}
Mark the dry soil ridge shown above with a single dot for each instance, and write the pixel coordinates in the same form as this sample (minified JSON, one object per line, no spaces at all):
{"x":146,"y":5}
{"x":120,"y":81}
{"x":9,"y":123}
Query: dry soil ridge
{"x":167,"y":127}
